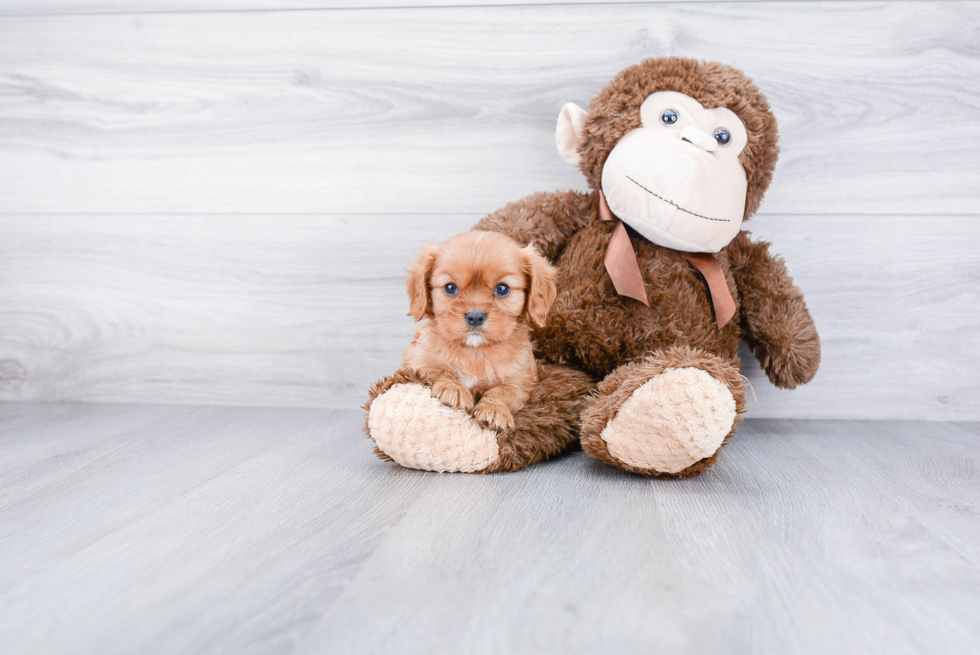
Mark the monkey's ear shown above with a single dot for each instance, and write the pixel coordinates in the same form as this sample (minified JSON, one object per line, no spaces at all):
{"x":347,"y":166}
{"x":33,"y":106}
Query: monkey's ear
{"x":418,"y":282}
{"x":568,"y":133}
{"x":542,"y":287}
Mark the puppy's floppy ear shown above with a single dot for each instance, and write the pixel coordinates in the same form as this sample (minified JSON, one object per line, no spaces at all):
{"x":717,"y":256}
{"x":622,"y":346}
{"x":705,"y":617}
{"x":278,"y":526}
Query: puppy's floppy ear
{"x":418,"y":282}
{"x":542,"y":285}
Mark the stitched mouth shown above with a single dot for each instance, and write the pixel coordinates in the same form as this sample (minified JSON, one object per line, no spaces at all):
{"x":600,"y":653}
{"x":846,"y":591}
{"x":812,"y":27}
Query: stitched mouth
{"x":670,"y":202}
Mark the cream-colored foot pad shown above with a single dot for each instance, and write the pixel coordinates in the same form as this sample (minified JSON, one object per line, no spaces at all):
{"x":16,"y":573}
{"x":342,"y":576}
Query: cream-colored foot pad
{"x":419,"y":432}
{"x":672,"y":421}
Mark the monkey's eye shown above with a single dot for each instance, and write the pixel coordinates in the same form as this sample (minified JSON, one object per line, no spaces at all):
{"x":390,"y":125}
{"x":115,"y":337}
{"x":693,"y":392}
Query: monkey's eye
{"x":502,"y":290}
{"x":669,"y":117}
{"x":722,"y":136}
{"x":451,"y":289}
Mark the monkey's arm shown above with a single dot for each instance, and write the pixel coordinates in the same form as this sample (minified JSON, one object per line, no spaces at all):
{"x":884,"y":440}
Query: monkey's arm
{"x":545,"y":219}
{"x":775,"y":321}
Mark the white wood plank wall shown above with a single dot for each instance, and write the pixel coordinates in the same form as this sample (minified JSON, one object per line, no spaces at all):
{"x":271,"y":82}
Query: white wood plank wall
{"x":213,"y":202}
{"x":62,"y":7}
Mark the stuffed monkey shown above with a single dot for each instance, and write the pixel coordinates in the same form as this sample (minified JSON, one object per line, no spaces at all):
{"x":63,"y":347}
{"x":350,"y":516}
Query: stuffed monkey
{"x":657,"y":285}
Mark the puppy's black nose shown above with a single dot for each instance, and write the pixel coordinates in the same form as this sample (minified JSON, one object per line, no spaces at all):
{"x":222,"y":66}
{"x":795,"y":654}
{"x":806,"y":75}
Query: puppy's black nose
{"x":476,"y":319}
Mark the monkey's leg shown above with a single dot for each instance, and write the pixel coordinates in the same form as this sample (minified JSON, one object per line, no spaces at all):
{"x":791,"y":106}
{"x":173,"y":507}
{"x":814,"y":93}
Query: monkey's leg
{"x":414,"y":429}
{"x":666,"y":414}
{"x":549,"y":422}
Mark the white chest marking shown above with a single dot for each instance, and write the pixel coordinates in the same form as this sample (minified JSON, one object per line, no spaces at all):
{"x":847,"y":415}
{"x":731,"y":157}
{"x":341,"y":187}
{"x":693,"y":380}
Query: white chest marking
{"x":466,"y":381}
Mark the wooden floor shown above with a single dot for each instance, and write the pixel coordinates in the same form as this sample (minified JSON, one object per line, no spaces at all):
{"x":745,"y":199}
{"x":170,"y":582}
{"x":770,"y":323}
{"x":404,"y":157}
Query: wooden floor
{"x":163,"y":529}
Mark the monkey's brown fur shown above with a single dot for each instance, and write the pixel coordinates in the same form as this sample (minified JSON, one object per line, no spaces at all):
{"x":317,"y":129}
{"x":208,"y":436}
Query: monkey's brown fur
{"x":616,"y":388}
{"x":592,"y":330}
{"x":546,"y":426}
{"x":616,"y":111}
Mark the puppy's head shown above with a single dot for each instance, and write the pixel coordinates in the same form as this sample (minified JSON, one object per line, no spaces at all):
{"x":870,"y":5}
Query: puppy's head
{"x":478,"y":286}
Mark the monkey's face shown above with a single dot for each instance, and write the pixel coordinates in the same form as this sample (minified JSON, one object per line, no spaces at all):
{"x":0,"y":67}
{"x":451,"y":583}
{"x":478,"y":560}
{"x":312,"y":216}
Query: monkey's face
{"x":677,"y":179}
{"x":683,"y":150}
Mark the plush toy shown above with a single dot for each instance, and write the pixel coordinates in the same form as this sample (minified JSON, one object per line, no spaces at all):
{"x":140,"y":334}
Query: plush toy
{"x":657,"y":284}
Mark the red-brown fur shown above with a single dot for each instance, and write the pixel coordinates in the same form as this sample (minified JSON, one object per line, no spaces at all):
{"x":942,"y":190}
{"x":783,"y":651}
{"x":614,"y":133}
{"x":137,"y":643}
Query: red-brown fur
{"x":488,"y":369}
{"x":593,"y":329}
{"x":593,"y":334}
{"x":546,"y":426}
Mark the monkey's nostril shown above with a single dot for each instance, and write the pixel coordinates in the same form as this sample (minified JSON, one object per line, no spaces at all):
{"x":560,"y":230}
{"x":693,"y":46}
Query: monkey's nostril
{"x":691,"y":140}
{"x":696,"y":137}
{"x":476,"y":319}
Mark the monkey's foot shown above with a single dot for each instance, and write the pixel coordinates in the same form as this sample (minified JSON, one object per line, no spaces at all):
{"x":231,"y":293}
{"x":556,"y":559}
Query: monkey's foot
{"x":414,"y":429}
{"x":654,"y":419}
{"x":418,"y":431}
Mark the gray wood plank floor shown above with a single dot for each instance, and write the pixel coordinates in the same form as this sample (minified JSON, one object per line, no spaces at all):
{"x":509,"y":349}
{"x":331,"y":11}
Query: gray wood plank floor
{"x":144,"y":529}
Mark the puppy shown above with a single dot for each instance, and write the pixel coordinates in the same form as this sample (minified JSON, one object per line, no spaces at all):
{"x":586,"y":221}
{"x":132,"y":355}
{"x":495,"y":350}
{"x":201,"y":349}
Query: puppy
{"x":478,"y":291}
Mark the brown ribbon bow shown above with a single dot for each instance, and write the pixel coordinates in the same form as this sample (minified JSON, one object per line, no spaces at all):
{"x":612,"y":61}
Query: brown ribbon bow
{"x":625,"y":272}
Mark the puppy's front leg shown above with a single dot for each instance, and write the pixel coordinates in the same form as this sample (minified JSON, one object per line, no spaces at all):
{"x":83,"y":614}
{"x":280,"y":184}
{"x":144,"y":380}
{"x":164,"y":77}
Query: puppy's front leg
{"x":447,"y":389}
{"x":497,"y":406}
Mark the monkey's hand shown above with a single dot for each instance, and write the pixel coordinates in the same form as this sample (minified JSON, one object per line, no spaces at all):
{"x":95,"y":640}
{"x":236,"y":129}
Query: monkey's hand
{"x":789,"y":351}
{"x":775,"y":321}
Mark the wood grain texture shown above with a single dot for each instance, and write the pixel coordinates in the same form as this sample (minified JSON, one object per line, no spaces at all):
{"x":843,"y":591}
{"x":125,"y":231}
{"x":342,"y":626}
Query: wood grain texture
{"x":241,"y":190}
{"x":63,"y":7}
{"x":453,"y":110}
{"x":150,"y":529}
{"x":309,"y":310}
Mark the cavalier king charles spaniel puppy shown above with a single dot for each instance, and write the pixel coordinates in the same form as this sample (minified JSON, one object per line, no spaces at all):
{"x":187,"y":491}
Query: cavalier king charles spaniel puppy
{"x":478,"y":291}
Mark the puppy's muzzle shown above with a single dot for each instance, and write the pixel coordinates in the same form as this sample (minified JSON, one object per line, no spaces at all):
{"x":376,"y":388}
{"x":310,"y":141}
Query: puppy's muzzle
{"x":475,"y":319}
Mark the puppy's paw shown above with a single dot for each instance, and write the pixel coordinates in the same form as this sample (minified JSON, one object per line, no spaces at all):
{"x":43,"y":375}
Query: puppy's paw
{"x":494,"y":415}
{"x":453,"y":394}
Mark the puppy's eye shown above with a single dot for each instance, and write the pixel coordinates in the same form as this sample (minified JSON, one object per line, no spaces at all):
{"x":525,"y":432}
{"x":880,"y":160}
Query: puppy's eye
{"x":669,"y":117}
{"x":451,"y":289}
{"x":722,"y":136}
{"x":502,"y":290}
